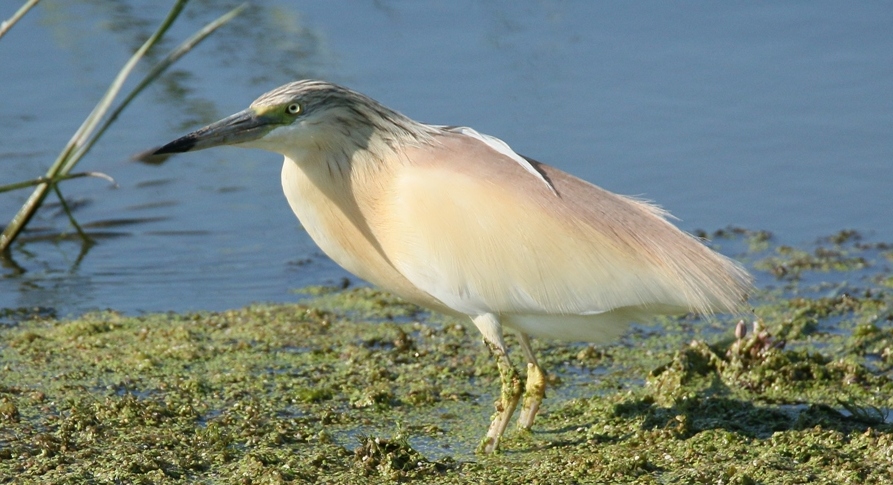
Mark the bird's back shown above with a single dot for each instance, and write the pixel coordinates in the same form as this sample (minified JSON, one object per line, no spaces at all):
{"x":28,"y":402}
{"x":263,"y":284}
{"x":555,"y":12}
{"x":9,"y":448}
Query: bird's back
{"x":458,"y":226}
{"x":477,"y":231}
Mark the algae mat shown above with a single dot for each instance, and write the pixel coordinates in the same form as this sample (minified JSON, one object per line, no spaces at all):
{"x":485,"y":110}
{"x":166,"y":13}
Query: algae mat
{"x":356,"y":386}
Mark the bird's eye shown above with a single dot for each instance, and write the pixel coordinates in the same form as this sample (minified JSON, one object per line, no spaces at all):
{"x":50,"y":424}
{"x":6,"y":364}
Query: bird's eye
{"x":293,"y":109}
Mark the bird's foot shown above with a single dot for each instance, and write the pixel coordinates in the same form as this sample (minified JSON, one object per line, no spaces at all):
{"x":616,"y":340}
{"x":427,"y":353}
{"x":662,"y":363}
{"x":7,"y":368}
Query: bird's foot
{"x":534,"y":393}
{"x":510,"y":394}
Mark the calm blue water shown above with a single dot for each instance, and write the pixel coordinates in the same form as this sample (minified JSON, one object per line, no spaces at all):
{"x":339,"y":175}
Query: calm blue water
{"x":766,"y":116}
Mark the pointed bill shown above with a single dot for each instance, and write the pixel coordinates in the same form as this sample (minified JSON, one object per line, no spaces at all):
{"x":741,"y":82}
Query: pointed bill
{"x":244,"y":126}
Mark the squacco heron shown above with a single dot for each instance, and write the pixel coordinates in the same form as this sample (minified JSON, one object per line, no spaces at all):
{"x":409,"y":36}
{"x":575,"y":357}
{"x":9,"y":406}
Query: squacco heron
{"x":458,"y":222}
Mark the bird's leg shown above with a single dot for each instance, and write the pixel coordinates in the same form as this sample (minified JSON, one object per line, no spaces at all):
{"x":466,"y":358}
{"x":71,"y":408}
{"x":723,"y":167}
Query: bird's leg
{"x":510,"y":392}
{"x":535,"y":390}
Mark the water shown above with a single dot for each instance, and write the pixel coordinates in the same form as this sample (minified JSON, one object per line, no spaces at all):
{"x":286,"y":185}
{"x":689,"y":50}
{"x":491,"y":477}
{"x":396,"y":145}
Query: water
{"x":766,"y":116}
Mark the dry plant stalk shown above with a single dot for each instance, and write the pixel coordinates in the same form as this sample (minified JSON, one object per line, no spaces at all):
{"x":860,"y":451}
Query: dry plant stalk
{"x":93,"y":126}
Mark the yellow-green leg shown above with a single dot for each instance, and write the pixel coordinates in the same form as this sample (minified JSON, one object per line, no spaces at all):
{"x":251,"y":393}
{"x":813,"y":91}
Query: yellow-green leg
{"x":510,"y":392}
{"x":535,"y":390}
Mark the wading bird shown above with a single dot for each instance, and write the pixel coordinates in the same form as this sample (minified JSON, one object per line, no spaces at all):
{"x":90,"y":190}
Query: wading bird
{"x":456,"y":221}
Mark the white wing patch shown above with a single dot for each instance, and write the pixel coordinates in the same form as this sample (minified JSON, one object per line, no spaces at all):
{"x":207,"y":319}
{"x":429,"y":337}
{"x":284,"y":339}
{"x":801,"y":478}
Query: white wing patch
{"x":594,"y":312}
{"x":503,"y":148}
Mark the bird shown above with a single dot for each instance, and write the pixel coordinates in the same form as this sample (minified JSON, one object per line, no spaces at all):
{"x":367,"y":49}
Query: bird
{"x":458,"y":222}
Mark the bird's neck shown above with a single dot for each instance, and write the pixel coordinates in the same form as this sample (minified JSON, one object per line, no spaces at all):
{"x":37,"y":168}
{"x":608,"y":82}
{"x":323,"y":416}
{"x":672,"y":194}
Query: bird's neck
{"x":344,"y":164}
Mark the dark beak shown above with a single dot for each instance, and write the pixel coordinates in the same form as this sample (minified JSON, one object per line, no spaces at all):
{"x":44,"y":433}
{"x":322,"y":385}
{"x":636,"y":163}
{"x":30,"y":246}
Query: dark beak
{"x":241,"y":127}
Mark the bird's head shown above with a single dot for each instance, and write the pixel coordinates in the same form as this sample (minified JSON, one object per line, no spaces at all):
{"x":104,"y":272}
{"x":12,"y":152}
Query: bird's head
{"x":302,"y":117}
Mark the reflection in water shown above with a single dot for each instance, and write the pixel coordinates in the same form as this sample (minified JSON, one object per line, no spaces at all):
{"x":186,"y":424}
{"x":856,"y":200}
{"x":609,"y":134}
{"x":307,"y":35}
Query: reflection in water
{"x":44,"y":268}
{"x":123,"y":222}
{"x":737,"y":114}
{"x":271,"y":39}
{"x":11,"y":268}
{"x":48,"y":285}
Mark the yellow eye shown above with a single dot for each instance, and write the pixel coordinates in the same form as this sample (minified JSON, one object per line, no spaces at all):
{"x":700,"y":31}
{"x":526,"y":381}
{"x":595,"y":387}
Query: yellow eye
{"x":293,"y":109}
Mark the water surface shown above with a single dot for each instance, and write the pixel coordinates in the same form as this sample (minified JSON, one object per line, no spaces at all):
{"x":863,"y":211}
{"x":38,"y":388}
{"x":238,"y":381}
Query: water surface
{"x":765,"y":116}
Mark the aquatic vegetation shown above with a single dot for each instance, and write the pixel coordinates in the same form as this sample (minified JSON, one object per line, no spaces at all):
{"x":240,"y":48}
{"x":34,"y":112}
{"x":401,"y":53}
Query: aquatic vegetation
{"x":354,"y":385}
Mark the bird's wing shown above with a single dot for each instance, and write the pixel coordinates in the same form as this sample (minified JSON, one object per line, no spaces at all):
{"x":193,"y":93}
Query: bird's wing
{"x":502,"y":148}
{"x":476,"y":230}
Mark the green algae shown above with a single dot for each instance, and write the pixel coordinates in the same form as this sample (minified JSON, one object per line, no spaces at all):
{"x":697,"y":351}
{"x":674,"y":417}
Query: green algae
{"x":357,"y":386}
